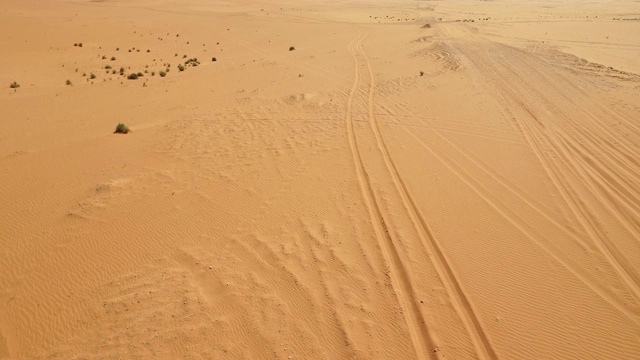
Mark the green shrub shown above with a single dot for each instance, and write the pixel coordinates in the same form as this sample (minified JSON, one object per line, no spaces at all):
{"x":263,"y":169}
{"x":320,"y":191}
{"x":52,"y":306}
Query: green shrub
{"x":121,"y":129}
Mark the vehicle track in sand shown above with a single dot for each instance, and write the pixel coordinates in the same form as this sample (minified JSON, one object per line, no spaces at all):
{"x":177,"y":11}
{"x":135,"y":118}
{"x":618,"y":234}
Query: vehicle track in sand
{"x":422,"y":338}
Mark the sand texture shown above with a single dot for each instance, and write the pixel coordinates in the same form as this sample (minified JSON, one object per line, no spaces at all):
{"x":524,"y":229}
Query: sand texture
{"x":347,"y":180}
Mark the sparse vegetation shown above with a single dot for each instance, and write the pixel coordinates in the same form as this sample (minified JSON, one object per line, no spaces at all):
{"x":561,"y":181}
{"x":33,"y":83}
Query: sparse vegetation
{"x":92,"y":76}
{"x":180,"y":67}
{"x":108,"y":67}
{"x":291,"y":48}
{"x":163,"y":74}
{"x":69,"y":83}
{"x":421,"y":73}
{"x":14,"y":85}
{"x":214,"y":59}
{"x":140,"y":74}
{"x":104,"y":57}
{"x":113,"y":58}
{"x":192,"y":62}
{"x":132,"y":76}
{"x":122,"y":129}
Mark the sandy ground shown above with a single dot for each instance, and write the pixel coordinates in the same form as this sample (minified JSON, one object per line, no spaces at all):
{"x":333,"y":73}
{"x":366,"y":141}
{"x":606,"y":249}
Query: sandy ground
{"x":327,"y":202}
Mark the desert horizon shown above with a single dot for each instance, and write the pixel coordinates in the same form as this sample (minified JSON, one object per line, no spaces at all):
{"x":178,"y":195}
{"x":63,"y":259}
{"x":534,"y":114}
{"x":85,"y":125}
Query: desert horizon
{"x":349,"y":179}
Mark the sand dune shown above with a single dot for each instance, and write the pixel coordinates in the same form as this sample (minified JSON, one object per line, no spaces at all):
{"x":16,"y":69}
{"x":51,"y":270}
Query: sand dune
{"x":413,"y":180}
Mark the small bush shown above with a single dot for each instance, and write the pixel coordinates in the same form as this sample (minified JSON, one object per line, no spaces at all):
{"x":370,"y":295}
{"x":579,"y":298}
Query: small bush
{"x":140,"y":74}
{"x":421,"y":73}
{"x":121,"y":129}
{"x":291,"y":48}
{"x":79,"y":44}
{"x":132,"y":76}
{"x":108,"y":67}
{"x":214,"y":59}
{"x":14,"y":85}
{"x":69,"y":83}
{"x":75,"y":44}
{"x":113,"y":58}
{"x":180,"y":67}
{"x":163,"y":74}
{"x":92,"y":76}
{"x":117,"y":49}
{"x":153,"y":73}
{"x":104,"y":57}
{"x":148,"y":50}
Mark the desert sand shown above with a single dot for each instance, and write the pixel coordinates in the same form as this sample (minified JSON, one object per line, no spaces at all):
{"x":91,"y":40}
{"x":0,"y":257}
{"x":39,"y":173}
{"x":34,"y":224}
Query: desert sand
{"x":348,"y":180}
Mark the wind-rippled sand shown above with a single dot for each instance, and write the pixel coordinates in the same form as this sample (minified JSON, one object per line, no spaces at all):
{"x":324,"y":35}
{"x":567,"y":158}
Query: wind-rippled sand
{"x":428,"y":180}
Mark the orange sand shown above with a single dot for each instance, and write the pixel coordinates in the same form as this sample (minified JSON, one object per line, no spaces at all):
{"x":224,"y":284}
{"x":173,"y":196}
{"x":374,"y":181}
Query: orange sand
{"x":327,"y":202}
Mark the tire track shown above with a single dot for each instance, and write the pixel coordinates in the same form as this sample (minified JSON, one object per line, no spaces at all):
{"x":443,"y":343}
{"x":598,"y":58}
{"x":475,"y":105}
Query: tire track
{"x":521,"y":224}
{"x":420,"y":336}
{"x":465,"y":309}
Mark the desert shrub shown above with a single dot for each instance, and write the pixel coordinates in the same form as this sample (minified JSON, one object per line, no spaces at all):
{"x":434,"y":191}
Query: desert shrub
{"x":104,"y":57}
{"x":214,"y":59}
{"x":132,"y":76}
{"x":92,"y":76}
{"x":148,"y":50}
{"x":113,"y":58}
{"x":121,"y":129}
{"x":69,"y":83}
{"x":421,"y":73}
{"x":14,"y":85}
{"x":117,"y":49}
{"x":140,"y":74}
{"x":180,"y":67}
{"x":75,"y":44}
{"x":163,"y":74}
{"x":79,"y":44}
{"x":291,"y":48}
{"x":153,"y":73}
{"x":108,"y":67}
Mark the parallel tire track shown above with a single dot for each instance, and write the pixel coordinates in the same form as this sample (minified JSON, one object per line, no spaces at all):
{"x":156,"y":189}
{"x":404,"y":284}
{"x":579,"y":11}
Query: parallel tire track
{"x":479,"y":337}
{"x":421,"y":338}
